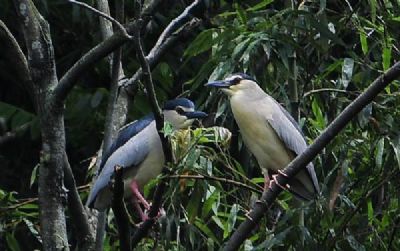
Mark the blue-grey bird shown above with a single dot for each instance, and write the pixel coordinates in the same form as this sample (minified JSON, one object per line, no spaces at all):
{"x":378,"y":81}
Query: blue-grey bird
{"x":138,"y":150}
{"x":268,"y":130}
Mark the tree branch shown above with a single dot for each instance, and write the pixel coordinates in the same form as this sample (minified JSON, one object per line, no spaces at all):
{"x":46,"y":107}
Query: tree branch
{"x":79,"y":217}
{"x":69,"y":79}
{"x":173,"y":30}
{"x":121,"y":215}
{"x":117,"y":104}
{"x":159,"y":118}
{"x":13,"y":54}
{"x":303,"y":159}
{"x":52,"y":195}
{"x":104,"y":15}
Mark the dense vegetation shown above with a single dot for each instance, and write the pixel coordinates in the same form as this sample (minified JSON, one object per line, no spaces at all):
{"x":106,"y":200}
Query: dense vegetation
{"x":314,"y":57}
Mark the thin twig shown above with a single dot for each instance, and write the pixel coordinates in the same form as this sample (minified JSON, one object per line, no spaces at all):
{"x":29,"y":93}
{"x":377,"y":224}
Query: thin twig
{"x":300,"y":162}
{"x":206,"y":177}
{"x":102,"y":14}
{"x":329,"y":90}
{"x":151,"y":95}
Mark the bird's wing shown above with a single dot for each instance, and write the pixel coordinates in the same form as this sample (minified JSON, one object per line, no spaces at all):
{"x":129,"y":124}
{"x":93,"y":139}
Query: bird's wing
{"x":291,"y":135}
{"x":127,"y":151}
{"x":124,"y":134}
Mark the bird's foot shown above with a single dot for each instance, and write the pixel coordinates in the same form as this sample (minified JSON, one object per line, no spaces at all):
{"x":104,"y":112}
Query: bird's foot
{"x":161,"y":213}
{"x":274,"y":179}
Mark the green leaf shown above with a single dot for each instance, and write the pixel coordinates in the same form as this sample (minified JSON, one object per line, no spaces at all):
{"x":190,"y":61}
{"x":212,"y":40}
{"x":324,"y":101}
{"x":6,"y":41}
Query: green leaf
{"x":34,"y":175}
{"x":12,"y":243}
{"x":395,"y":143}
{"x":379,"y":152}
{"x":199,"y":224}
{"x":386,"y":57}
{"x":230,"y":223}
{"x":259,"y":6}
{"x":364,"y":42}
{"x":372,"y":4}
{"x":202,"y":43}
{"x":241,"y":14}
{"x":194,"y":204}
{"x":370,"y":212}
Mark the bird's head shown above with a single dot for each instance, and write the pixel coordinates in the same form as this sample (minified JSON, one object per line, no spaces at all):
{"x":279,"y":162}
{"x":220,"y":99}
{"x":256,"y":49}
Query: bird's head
{"x":180,"y":113}
{"x":235,"y":84}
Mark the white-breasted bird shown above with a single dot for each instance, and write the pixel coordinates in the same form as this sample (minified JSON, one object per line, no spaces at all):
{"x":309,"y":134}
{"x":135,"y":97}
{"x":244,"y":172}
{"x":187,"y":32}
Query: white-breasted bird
{"x":269,"y":132}
{"x":138,"y":150}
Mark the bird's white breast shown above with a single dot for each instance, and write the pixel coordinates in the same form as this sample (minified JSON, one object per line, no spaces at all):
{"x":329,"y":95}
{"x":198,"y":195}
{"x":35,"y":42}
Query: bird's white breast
{"x":251,"y":116}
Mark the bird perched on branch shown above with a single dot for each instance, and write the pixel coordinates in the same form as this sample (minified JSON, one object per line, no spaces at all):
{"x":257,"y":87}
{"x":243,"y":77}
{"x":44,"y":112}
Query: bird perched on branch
{"x":138,"y":150}
{"x":268,"y":130}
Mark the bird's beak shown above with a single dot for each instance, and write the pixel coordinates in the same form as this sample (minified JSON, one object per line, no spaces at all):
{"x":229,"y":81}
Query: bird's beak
{"x":219,"y":84}
{"x":195,"y":115}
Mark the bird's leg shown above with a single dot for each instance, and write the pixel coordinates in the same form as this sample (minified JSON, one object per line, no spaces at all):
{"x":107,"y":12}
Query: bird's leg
{"x":138,"y":194}
{"x":267,"y":181}
{"x":142,"y":215}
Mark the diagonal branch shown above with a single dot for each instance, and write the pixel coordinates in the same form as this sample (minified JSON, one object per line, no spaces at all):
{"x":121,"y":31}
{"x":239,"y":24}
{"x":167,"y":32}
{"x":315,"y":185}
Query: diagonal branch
{"x":79,"y":216}
{"x":94,"y":55}
{"x":156,"y":53}
{"x":303,"y":159}
{"x":87,"y":61}
{"x":13,"y":54}
{"x":104,"y":15}
{"x":175,"y":26}
{"x":159,"y":118}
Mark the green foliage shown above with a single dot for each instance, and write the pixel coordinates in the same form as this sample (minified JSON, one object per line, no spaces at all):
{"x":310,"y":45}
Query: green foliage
{"x":329,"y":50}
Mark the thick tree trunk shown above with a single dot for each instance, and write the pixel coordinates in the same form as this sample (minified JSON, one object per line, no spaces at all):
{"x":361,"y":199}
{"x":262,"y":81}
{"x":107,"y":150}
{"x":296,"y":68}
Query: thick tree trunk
{"x":52,"y":194}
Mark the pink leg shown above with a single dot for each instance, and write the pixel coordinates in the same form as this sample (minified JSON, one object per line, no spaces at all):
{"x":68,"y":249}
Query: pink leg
{"x":142,"y":215}
{"x":267,"y":181}
{"x":138,"y":195}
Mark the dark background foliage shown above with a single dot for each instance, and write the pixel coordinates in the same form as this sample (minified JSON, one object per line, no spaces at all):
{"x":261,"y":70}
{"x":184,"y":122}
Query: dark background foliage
{"x":314,"y":57}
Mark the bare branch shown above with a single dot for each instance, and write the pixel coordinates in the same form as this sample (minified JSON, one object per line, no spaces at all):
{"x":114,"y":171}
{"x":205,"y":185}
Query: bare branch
{"x":121,"y":215}
{"x":151,"y":95}
{"x":117,"y":104}
{"x":52,"y":194}
{"x":14,"y":55}
{"x":78,"y":214}
{"x":102,"y":14}
{"x":87,"y":61}
{"x":178,"y":22}
{"x":244,"y":230}
{"x":156,"y":53}
{"x":206,"y":177}
{"x":175,"y":26}
{"x":69,"y":79}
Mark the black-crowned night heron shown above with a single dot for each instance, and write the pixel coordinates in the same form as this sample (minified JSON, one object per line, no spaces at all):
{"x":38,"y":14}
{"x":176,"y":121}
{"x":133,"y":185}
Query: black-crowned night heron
{"x":269,"y":132}
{"x":138,"y":150}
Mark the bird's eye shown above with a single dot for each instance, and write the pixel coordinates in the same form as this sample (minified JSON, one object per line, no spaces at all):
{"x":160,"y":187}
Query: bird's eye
{"x":236,"y":81}
{"x":179,"y":110}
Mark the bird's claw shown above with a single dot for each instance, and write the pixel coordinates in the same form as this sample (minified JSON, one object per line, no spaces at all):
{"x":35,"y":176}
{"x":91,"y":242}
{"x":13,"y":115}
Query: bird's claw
{"x":274,"y":179}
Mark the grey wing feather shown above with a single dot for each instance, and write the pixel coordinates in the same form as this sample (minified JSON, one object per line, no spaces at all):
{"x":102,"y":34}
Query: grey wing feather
{"x":128,"y":155}
{"x":291,"y":135}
